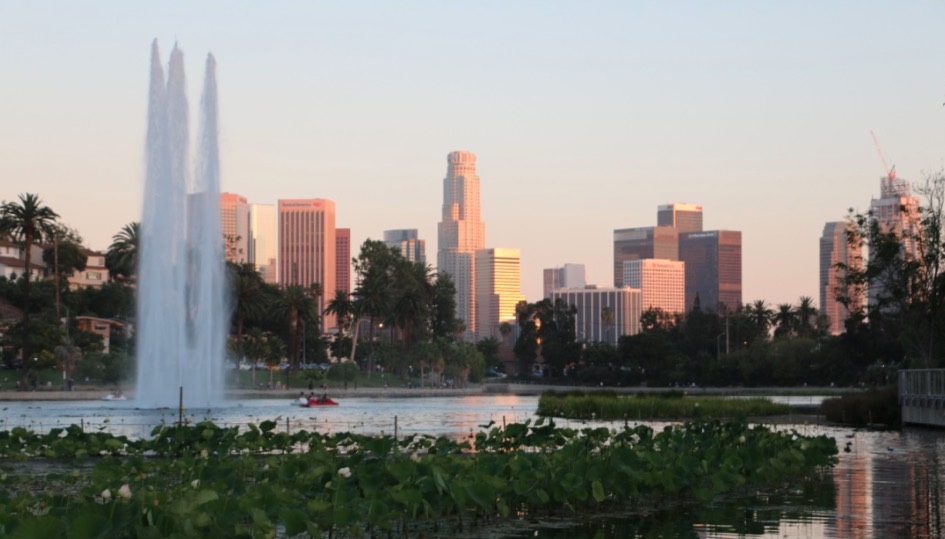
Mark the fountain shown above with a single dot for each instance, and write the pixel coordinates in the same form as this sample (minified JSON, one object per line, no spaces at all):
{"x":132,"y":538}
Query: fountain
{"x":182,"y":314}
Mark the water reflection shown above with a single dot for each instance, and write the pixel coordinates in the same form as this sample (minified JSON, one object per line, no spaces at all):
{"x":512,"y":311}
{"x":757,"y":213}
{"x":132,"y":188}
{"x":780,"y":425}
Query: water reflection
{"x":886,"y":484}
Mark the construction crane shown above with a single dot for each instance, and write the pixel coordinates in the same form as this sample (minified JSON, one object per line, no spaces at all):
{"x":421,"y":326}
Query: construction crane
{"x":890,"y":172}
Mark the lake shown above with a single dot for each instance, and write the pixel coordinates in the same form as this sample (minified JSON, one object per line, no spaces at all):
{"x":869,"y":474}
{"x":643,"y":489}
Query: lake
{"x":886,"y":484}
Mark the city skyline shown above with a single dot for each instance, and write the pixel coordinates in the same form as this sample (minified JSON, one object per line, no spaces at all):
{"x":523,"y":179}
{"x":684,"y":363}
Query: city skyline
{"x":584,"y":118}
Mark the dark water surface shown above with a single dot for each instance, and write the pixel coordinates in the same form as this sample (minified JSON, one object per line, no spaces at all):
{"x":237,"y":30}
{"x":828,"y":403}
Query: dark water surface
{"x":887,"y":484}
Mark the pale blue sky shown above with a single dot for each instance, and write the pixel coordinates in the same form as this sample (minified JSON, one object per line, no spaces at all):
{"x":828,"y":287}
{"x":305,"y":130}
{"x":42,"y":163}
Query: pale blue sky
{"x":584,"y":115}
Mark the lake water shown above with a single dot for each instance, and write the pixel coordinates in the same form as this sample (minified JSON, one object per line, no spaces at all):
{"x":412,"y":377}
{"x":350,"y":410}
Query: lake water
{"x":886,"y":484}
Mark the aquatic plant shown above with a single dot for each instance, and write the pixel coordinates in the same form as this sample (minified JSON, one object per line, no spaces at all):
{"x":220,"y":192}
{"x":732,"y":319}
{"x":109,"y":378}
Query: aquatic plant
{"x":207,"y":481}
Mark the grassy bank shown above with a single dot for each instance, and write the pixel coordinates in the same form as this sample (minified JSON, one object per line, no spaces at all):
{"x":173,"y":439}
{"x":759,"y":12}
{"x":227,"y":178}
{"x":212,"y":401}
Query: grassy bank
{"x":665,"y":406}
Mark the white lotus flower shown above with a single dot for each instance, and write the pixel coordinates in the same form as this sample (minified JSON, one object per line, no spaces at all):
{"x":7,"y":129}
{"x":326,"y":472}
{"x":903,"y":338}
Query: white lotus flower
{"x":345,"y":472}
{"x":195,"y":483}
{"x":124,"y":491}
{"x":106,"y":495}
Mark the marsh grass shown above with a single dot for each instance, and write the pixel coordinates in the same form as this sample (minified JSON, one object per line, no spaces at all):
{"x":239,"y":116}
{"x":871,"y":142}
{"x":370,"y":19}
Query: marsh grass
{"x":664,"y":406}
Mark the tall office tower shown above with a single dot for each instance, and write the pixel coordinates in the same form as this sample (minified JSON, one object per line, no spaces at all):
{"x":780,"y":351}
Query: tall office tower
{"x":342,"y":260}
{"x":307,"y":248}
{"x":662,"y":282}
{"x":603,"y":314}
{"x":897,"y":212}
{"x":644,"y":242}
{"x":234,"y":220}
{"x":685,"y":217}
{"x":567,"y":276}
{"x":498,"y":289}
{"x":408,"y":242}
{"x":263,"y":240}
{"x":835,"y":248}
{"x":461,"y":233}
{"x":713,"y":269}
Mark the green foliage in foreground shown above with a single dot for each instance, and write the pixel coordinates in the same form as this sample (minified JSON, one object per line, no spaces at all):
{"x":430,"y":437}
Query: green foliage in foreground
{"x":610,"y":406}
{"x":207,"y":481}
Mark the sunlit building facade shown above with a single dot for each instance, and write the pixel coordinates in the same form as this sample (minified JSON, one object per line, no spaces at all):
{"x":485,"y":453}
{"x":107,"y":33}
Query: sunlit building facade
{"x":661,"y":282}
{"x":234,"y":221}
{"x":643,"y":242}
{"x":263,"y":243}
{"x":307,"y":248}
{"x":461,"y":233}
{"x":683,"y":217}
{"x":498,"y":289}
{"x":835,"y":248}
{"x":897,"y":212}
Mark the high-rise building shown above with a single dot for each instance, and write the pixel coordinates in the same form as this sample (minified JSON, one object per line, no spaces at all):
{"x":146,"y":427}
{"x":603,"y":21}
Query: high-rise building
{"x":498,"y":289}
{"x":896,"y":212}
{"x":567,"y":276}
{"x":263,"y":240}
{"x":307,"y":248}
{"x":684,"y":217}
{"x":461,"y":233}
{"x":603,"y":314}
{"x":342,"y":260}
{"x":713,"y":269}
{"x":234,"y":220}
{"x":643,"y":242}
{"x":662,"y":283}
{"x":408,"y":242}
{"x":835,"y":248}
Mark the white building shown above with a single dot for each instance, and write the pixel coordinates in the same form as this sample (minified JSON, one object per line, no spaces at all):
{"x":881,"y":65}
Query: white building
{"x":567,"y":276}
{"x":662,"y":282}
{"x":897,"y":212}
{"x":603,"y":314}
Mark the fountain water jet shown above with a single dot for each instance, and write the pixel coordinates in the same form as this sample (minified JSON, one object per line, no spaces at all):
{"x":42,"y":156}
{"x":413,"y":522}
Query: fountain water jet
{"x":182,"y":314}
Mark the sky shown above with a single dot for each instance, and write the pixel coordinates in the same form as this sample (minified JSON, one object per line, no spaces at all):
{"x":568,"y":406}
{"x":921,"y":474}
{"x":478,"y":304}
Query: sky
{"x":584,"y":116}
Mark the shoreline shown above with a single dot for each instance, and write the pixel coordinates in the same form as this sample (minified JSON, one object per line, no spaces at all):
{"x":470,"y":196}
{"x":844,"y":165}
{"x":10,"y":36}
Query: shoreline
{"x":95,"y":394}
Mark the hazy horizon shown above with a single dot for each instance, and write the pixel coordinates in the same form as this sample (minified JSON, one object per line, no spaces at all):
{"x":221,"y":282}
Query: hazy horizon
{"x":583,"y":117}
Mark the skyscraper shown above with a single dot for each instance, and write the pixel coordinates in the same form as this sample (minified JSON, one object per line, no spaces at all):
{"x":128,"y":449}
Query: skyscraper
{"x":461,"y":233}
{"x":713,"y":269}
{"x":342,"y":260}
{"x":835,"y":248}
{"x":263,"y":240}
{"x":408,"y":242}
{"x":307,"y":248}
{"x":567,"y":276}
{"x":498,"y":289}
{"x":896,"y":212}
{"x":662,"y":283}
{"x":234,"y":220}
{"x":643,"y":242}
{"x":685,"y":217}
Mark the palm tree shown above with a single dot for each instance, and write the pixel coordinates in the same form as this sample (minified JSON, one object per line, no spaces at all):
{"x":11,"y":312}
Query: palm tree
{"x":607,"y":317}
{"x":27,"y":222}
{"x":806,"y":314}
{"x":760,"y":315}
{"x":247,"y":301}
{"x":341,"y":307}
{"x":67,"y":355}
{"x":785,"y":320}
{"x":295,"y":306}
{"x":122,"y":255}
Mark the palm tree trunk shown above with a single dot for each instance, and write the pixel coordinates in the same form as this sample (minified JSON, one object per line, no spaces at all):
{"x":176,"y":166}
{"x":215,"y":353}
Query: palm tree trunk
{"x":354,"y":339}
{"x":26,"y":309}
